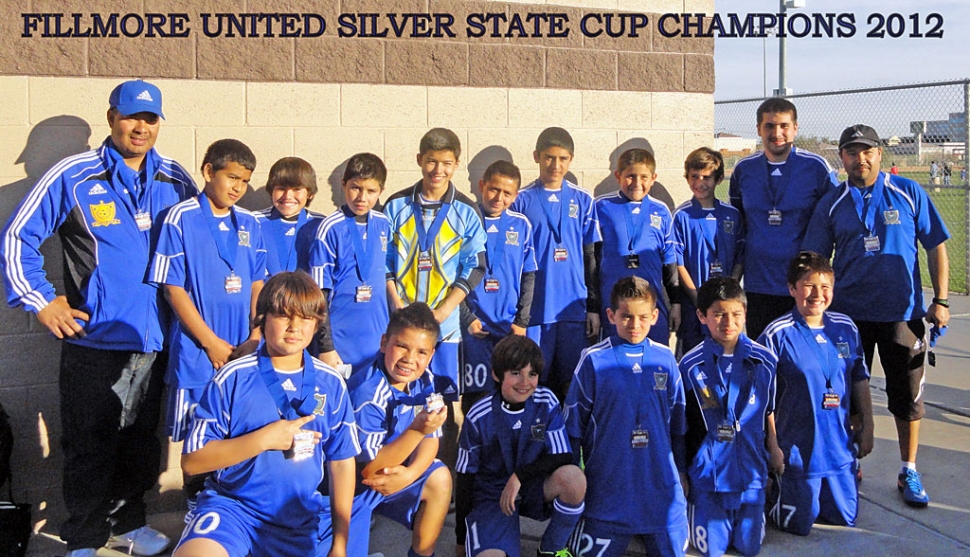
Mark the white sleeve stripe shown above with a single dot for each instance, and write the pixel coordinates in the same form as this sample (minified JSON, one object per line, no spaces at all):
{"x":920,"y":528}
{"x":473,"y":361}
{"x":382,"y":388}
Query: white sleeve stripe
{"x":12,"y":242}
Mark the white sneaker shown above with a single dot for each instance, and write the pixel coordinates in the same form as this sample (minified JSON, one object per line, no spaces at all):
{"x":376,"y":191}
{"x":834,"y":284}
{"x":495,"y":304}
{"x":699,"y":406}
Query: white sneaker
{"x":141,"y":541}
{"x":82,"y":553}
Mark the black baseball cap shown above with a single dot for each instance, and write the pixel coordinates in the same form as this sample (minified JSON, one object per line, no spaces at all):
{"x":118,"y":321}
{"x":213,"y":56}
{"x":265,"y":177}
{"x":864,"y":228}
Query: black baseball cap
{"x":859,"y":133}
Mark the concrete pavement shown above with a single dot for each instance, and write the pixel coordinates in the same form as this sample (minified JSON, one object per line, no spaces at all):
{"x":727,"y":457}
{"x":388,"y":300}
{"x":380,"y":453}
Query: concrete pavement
{"x":886,"y":527}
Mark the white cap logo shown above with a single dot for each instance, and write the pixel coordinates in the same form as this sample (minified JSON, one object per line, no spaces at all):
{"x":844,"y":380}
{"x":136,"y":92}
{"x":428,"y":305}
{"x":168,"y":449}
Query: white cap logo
{"x":144,"y":96}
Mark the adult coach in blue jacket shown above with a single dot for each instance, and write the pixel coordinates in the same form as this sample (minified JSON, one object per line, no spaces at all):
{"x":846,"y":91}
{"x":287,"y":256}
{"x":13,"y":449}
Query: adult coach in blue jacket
{"x":102,"y":204}
{"x":875,"y":221}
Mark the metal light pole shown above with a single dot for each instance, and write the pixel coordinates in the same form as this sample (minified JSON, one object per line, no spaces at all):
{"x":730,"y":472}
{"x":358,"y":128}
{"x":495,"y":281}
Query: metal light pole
{"x":783,"y":5}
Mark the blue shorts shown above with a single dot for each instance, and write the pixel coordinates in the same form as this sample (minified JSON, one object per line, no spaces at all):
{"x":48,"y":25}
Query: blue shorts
{"x":692,"y":331}
{"x":489,"y":528}
{"x":796,"y":503}
{"x":181,"y":410}
{"x":476,"y":364}
{"x":718,"y":521}
{"x":593,"y":538}
{"x":444,"y":366}
{"x":241,"y":533}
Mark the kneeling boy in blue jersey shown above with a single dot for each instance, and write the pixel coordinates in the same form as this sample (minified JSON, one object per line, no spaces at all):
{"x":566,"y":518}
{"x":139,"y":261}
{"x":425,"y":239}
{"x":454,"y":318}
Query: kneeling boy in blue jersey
{"x":514,"y":443}
{"x":625,"y":409}
{"x":730,"y":396}
{"x":822,"y":375}
{"x":399,"y":417}
{"x":265,"y":425}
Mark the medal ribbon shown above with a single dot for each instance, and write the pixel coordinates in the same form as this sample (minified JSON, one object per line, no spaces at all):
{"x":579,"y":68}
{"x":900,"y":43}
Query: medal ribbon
{"x":822,"y":355}
{"x":227,"y":246}
{"x":138,"y":199}
{"x":495,"y":251}
{"x":363,"y":253}
{"x":775,"y":190}
{"x":285,"y":251}
{"x":619,"y":353}
{"x":554,"y":226}
{"x":867,"y":211}
{"x":426,"y":236}
{"x":289,"y":409}
{"x":634,"y":225}
{"x":729,"y":400}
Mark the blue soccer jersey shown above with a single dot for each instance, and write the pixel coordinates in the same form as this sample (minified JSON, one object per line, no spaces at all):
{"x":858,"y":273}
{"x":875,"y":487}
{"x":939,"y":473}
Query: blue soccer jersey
{"x":495,"y":441}
{"x":708,"y":240}
{"x":624,"y":404}
{"x":875,"y":234}
{"x":216,"y":260}
{"x":434,"y":247}
{"x":246,"y":395}
{"x":638,"y":240}
{"x":816,"y":370}
{"x":563,"y":221}
{"x":729,"y":398}
{"x":287,"y":241}
{"x":383,"y":412}
{"x":348,"y":259}
{"x":776,"y":202}
{"x":509,"y":254}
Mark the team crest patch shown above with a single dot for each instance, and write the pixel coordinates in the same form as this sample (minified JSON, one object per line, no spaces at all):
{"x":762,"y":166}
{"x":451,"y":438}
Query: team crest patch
{"x":659,"y":381}
{"x":656,"y":221}
{"x":843,"y":348}
{"x":728,"y":226}
{"x":538,"y":431}
{"x":890,"y":217}
{"x":511,"y":237}
{"x":244,"y":238}
{"x":321,"y":402}
{"x":104,"y":214}
{"x":573,"y":210}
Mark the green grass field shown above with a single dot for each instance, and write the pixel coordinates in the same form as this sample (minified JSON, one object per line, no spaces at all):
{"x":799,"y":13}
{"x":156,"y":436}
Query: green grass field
{"x":952,"y":204}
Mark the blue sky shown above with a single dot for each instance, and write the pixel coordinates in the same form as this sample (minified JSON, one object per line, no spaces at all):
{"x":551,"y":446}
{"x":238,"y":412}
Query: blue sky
{"x":817,"y":64}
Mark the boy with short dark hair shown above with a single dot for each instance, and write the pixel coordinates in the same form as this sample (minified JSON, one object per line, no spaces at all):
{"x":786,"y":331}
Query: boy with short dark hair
{"x":266,"y":424}
{"x":437,"y":253}
{"x":288,"y":226}
{"x":348,"y":259}
{"x":822,"y":379}
{"x":730,"y":385}
{"x":565,"y":229}
{"x":514,"y":443}
{"x":501,"y":303}
{"x":625,"y":410}
{"x":211,"y":262}
{"x":708,"y":239}
{"x":638,"y":240}
{"x":398,"y":419}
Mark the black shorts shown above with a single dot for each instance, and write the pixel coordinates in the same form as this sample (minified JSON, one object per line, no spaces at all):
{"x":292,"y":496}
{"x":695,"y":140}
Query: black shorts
{"x":763,"y":309}
{"x":902,"y":353}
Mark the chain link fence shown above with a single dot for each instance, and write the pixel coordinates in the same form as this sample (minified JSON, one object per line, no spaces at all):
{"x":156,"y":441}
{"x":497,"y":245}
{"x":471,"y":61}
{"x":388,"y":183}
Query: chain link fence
{"x":926,"y":133}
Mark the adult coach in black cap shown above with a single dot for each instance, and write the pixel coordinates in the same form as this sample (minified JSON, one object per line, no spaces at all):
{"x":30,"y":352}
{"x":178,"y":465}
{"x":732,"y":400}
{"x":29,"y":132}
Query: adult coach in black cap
{"x":874,"y":221}
{"x":102,"y":203}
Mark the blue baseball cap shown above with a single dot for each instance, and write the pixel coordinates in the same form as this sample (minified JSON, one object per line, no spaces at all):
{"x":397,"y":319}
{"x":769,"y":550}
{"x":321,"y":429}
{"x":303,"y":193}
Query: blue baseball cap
{"x":132,"y":97}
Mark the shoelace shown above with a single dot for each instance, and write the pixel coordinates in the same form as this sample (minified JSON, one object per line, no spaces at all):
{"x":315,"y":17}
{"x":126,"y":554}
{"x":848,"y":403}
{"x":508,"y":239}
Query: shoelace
{"x":913,"y":482}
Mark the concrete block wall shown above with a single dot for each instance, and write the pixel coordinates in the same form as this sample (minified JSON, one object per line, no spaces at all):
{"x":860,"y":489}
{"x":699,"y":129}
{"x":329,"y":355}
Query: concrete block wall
{"x":325,"y":99}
